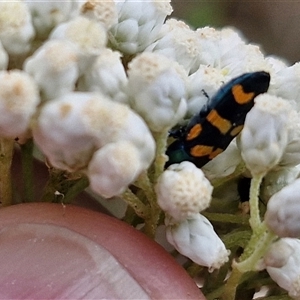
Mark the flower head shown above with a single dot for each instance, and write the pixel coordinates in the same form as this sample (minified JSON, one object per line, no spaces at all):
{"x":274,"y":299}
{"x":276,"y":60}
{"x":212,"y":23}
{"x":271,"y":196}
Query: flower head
{"x":156,"y":87}
{"x":196,"y":239}
{"x":139,"y":23}
{"x":183,"y":191}
{"x":71,"y":128}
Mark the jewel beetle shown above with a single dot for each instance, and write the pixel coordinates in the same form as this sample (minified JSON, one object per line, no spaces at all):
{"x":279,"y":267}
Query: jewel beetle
{"x":210,"y":132}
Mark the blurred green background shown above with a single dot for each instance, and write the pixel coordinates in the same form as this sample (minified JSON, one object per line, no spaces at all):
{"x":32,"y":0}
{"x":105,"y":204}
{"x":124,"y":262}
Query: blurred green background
{"x":275,"y":25}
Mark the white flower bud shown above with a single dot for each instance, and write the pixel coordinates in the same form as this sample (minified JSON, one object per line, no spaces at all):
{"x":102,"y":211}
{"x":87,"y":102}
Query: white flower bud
{"x":283,"y":213}
{"x":61,"y":135}
{"x":156,"y":86}
{"x":19,"y":98}
{"x":113,"y":168}
{"x":16,"y":30}
{"x":196,"y":239}
{"x":54,"y":68}
{"x":139,"y":23}
{"x":209,"y":38}
{"x":107,"y":75}
{"x":265,"y":134}
{"x":88,"y":36}
{"x":178,"y":42}
{"x":104,"y":11}
{"x":47,"y":14}
{"x":205,"y":81}
{"x":222,"y":45}
{"x":286,"y":83}
{"x":183,"y":191}
{"x":283,"y":265}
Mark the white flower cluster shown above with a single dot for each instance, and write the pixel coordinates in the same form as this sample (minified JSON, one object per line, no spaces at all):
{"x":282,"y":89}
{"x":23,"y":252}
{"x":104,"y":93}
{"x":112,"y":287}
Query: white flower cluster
{"x":93,"y":80}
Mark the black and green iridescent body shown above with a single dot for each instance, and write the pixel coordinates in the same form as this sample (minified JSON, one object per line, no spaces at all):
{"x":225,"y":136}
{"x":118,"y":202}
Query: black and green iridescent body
{"x":210,"y":132}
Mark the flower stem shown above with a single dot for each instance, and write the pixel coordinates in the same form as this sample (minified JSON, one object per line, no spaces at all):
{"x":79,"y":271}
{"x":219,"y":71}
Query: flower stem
{"x":255,"y":220}
{"x":232,"y":284}
{"x":259,"y":243}
{"x":78,"y":186}
{"x":139,"y":207}
{"x":6,"y":154}
{"x":260,"y":247}
{"x":160,"y":157}
{"x":154,"y":212}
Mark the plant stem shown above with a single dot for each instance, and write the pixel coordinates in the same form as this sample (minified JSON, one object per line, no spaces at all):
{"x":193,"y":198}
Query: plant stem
{"x":160,"y":157}
{"x":27,"y":170}
{"x":78,"y":186}
{"x":154,"y":212}
{"x":6,"y":154}
{"x":259,"y":243}
{"x":139,"y":207}
{"x":260,"y":247}
{"x":254,"y":220}
{"x":232,"y":284}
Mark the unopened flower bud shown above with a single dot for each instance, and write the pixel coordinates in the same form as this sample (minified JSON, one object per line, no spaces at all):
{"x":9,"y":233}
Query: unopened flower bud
{"x":183,"y":191}
{"x":178,"y":42}
{"x":156,"y":87}
{"x":16,"y":30}
{"x":283,"y":265}
{"x":286,"y":83}
{"x":265,"y":134}
{"x":107,"y":75}
{"x":113,"y":168}
{"x":283,"y":211}
{"x":47,"y":14}
{"x":88,"y":36}
{"x":196,"y":239}
{"x":19,"y":98}
{"x":103,"y":11}
{"x":139,"y":23}
{"x":59,"y":71}
{"x":61,"y":135}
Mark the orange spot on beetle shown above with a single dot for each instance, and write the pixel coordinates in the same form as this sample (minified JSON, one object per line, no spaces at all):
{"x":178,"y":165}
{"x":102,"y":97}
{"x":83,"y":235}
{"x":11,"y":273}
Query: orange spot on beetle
{"x":201,"y":150}
{"x":217,"y":121}
{"x":236,"y":130}
{"x":194,"y":132}
{"x":240,"y":96}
